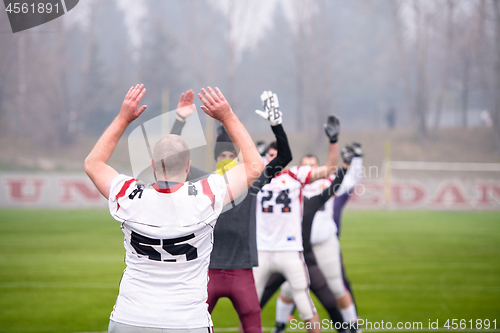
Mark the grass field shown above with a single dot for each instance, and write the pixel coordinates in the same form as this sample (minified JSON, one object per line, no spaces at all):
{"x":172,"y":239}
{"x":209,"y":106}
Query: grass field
{"x":60,"y":269}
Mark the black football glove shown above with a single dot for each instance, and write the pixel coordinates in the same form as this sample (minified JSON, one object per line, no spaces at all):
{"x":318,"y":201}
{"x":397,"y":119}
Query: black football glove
{"x":356,"y":147}
{"x":347,"y":154}
{"x":332,"y":128}
{"x":261,"y":148}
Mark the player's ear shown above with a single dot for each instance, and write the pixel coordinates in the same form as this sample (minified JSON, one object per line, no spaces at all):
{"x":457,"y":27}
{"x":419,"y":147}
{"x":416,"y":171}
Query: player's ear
{"x":188,"y":166}
{"x":153,"y":165}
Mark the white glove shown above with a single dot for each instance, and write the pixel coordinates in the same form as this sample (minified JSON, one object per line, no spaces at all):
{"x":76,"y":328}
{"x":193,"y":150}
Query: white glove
{"x":271,"y":108}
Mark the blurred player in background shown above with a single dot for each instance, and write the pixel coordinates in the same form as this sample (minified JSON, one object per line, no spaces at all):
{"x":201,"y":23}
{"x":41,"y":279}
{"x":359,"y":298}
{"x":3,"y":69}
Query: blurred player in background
{"x":279,"y":234}
{"x":262,"y":148}
{"x":235,"y":250}
{"x":325,"y":268}
{"x":352,"y":157}
{"x":168,"y":225}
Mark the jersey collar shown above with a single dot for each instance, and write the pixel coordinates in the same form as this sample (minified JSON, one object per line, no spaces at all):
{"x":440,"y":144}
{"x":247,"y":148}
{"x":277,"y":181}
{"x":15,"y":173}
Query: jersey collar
{"x":163,"y":186}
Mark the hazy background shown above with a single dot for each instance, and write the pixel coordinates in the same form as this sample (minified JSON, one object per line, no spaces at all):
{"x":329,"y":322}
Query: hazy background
{"x":435,"y":64}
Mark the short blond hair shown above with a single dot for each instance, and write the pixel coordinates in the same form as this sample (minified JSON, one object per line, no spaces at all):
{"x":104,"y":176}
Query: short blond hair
{"x":171,"y":155}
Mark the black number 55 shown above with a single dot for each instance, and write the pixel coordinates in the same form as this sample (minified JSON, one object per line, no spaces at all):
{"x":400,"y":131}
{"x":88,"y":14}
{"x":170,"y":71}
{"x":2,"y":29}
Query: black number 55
{"x":142,"y":245}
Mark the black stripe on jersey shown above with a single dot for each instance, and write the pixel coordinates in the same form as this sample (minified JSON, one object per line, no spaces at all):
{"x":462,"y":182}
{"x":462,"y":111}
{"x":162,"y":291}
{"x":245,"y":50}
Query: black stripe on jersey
{"x":178,"y":240}
{"x":145,"y":240}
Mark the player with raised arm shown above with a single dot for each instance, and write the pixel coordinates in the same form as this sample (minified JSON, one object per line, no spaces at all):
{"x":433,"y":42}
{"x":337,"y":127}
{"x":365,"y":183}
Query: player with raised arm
{"x":186,"y":108}
{"x":279,"y":232}
{"x":235,"y":251}
{"x":322,"y":252}
{"x":168,"y":225}
{"x":352,"y":157}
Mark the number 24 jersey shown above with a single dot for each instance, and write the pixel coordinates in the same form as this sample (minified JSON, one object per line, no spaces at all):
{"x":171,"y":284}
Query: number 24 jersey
{"x":279,"y":211}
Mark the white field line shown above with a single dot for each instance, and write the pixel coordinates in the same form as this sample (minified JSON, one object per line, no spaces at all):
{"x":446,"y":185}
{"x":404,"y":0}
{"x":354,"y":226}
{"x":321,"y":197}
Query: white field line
{"x":443,"y":329}
{"x":55,"y":285}
{"x":269,"y":329}
{"x":424,"y":288}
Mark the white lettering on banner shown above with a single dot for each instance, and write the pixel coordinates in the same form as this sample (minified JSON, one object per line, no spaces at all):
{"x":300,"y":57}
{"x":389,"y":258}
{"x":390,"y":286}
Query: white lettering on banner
{"x":75,"y":190}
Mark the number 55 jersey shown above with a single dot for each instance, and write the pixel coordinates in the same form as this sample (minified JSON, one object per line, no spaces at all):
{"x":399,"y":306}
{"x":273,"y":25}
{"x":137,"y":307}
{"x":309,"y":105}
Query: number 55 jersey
{"x":279,"y":211}
{"x":168,"y":241}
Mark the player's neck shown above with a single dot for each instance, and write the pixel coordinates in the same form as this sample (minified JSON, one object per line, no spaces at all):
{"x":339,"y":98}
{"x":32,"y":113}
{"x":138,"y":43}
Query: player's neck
{"x":174,"y":179}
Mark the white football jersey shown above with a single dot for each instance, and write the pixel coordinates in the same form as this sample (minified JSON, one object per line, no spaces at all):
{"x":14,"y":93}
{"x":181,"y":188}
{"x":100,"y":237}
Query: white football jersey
{"x":323,"y":226}
{"x":279,"y":211}
{"x":352,"y":177}
{"x":168,"y":241}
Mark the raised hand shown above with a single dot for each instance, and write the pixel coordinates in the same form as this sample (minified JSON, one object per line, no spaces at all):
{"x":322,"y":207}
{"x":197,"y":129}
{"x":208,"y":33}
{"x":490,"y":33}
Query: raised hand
{"x":130,"y":107}
{"x":347,"y":154}
{"x":214,"y":104}
{"x":185,"y":107}
{"x":356,"y":147}
{"x":332,"y":128}
{"x":271,"y":108}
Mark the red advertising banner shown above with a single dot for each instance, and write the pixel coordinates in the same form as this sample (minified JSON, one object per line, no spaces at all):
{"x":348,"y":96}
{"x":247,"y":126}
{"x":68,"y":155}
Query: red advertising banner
{"x":60,"y":190}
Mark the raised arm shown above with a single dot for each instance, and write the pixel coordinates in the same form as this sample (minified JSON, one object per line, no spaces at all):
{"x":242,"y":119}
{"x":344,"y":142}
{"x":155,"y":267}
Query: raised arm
{"x":185,"y":108}
{"x":332,"y":129}
{"x":243,"y":175}
{"x":333,"y":189}
{"x":311,"y":206}
{"x":95,"y":165}
{"x":353,"y":160}
{"x":284,"y":154}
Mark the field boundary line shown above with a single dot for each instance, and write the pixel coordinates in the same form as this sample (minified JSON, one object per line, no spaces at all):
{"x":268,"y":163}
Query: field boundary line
{"x":62,"y":285}
{"x":424,"y":288}
{"x":269,"y":329}
{"x":112,"y":285}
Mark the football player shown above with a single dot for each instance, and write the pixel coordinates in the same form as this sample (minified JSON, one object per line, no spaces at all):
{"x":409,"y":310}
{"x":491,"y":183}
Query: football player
{"x":325,"y":268}
{"x":168,"y":225}
{"x":235,"y":250}
{"x":279,"y":232}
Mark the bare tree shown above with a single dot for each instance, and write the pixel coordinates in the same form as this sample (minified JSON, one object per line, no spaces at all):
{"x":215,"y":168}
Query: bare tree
{"x":449,"y":39}
{"x":421,"y":50}
{"x":302,"y":38}
{"x":404,"y":63}
{"x":8,"y":83}
{"x":496,"y":111}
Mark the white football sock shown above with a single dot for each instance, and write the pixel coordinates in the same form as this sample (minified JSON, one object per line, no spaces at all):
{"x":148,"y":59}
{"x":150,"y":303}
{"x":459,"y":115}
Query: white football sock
{"x":349,"y":313}
{"x":283,"y":311}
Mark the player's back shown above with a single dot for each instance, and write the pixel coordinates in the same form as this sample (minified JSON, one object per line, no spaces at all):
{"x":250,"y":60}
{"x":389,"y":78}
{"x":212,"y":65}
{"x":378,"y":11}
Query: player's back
{"x":168,"y":241}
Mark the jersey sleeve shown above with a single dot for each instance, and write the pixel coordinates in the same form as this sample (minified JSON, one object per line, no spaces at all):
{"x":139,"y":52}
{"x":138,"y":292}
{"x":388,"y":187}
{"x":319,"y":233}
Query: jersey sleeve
{"x":352,"y":177}
{"x":121,"y":186}
{"x":177,"y":127}
{"x":277,"y":165}
{"x":301,"y":173}
{"x":215,"y":187}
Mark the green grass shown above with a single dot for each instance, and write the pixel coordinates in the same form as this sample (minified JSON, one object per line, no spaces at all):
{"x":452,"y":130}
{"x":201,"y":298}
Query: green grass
{"x":60,"y":269}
